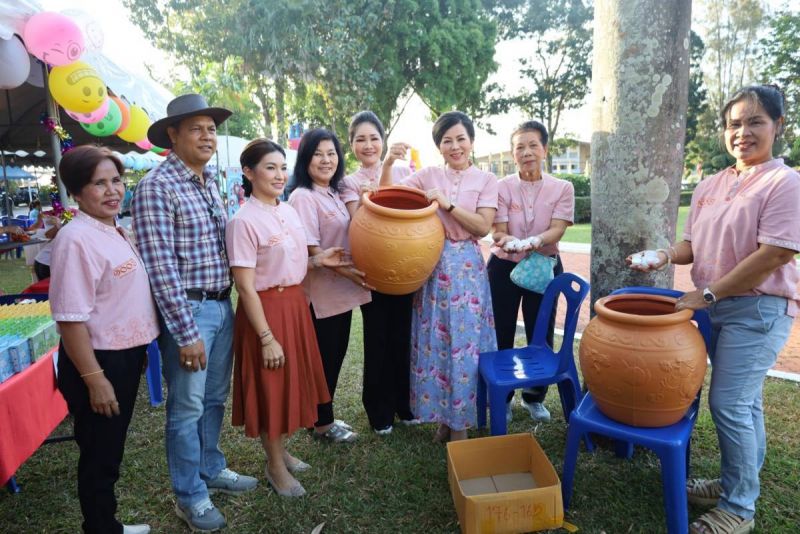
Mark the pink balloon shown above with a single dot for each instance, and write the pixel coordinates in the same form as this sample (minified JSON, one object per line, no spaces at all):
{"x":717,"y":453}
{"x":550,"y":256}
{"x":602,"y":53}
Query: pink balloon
{"x":144,"y":144}
{"x":91,"y":117}
{"x":54,"y":38}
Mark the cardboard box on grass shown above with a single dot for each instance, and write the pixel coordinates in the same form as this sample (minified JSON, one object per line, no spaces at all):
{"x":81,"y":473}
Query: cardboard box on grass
{"x":503,"y":484}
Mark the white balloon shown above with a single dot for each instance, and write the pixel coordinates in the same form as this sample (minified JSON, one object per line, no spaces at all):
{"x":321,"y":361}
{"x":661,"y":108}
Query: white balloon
{"x":14,"y":63}
{"x":93,"y":34}
{"x":36,"y":77}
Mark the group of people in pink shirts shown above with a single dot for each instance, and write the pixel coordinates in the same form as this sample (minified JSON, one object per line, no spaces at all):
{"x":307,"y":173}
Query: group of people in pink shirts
{"x":285,"y":345}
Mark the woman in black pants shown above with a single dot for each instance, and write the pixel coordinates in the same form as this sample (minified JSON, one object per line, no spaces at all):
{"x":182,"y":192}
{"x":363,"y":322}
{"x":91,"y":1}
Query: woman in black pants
{"x":103,"y":343}
{"x":387,"y":319}
{"x":537,"y":208}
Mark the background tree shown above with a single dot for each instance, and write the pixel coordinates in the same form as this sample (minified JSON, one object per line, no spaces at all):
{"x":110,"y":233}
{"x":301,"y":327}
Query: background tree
{"x":320,"y":63}
{"x":731,"y":30}
{"x":557,"y":72}
{"x":780,"y":56}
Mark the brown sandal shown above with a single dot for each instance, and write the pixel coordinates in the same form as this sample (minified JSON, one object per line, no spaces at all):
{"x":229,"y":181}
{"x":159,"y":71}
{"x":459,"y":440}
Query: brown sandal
{"x":703,"y":492}
{"x":719,"y":521}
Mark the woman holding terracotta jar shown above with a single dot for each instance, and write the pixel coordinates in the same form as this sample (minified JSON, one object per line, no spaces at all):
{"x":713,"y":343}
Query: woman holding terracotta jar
{"x":537,"y":207}
{"x":278,"y":379}
{"x":452,"y":321}
{"x":100,"y":298}
{"x":333,"y":291}
{"x":387,"y":318}
{"x":741,"y":237}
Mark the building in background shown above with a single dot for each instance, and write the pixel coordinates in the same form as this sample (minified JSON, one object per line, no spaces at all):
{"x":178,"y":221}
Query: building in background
{"x":574,"y":160}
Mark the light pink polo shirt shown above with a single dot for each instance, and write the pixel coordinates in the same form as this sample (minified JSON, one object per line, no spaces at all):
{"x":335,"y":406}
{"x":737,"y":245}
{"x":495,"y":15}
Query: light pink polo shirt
{"x":728,"y":222}
{"x":97,"y":278}
{"x":326,"y":221}
{"x":351,"y":185}
{"x":469,"y":189}
{"x":530,"y":207}
{"x":269,"y":239}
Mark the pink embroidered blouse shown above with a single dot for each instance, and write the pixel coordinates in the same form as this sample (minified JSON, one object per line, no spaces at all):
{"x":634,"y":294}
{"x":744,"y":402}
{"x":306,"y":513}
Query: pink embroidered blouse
{"x":97,"y":278}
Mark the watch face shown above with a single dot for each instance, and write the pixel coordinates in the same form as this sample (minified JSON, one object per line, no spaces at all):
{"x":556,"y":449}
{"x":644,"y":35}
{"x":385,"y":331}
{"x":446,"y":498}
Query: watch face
{"x":708,"y":297}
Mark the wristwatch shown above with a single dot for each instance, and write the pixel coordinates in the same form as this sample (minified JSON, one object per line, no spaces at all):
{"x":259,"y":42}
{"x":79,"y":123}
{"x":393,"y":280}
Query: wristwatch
{"x":709,"y":297}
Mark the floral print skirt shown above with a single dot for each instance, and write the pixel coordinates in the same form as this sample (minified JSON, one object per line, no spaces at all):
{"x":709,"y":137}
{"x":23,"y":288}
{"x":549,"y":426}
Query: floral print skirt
{"x":452,"y":324}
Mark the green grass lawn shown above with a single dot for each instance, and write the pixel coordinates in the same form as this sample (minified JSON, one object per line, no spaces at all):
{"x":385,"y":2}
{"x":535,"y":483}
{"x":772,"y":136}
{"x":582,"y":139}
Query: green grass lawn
{"x":392,"y":484}
{"x":396,"y":483}
{"x":582,"y":233}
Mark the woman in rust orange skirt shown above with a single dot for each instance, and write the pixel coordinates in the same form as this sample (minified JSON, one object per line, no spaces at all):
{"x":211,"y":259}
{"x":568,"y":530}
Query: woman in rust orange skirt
{"x":278,"y":376}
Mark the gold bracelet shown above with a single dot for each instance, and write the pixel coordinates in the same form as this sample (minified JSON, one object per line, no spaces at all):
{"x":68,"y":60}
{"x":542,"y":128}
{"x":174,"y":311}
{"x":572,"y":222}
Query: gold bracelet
{"x":92,"y":373}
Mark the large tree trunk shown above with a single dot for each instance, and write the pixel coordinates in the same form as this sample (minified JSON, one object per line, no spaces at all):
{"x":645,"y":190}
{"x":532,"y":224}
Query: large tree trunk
{"x":640,"y":79}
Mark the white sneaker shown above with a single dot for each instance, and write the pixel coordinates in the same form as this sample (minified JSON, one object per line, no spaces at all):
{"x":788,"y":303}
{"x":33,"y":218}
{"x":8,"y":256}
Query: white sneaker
{"x":135,"y":529}
{"x":537,"y":410}
{"x":384,"y":431}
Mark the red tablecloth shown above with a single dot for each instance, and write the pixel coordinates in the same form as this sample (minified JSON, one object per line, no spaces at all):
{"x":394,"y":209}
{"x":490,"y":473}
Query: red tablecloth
{"x":30,"y":408}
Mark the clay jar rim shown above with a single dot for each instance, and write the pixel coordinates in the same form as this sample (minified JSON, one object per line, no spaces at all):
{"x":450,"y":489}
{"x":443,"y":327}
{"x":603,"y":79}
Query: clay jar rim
{"x":677,"y":317}
{"x":398,"y":213}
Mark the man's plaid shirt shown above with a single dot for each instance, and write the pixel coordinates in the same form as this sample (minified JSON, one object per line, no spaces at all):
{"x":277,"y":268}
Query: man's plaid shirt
{"x":180,"y":231}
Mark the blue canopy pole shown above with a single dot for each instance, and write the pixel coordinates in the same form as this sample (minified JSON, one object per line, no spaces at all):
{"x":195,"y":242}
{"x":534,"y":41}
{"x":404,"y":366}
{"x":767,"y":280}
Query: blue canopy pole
{"x":7,"y":208}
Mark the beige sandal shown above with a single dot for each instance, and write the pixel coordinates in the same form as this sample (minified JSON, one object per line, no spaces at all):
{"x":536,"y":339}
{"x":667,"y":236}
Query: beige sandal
{"x":719,"y":521}
{"x":703,"y":492}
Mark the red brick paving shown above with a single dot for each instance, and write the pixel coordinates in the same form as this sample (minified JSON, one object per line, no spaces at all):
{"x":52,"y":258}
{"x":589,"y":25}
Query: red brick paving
{"x":788,"y":360}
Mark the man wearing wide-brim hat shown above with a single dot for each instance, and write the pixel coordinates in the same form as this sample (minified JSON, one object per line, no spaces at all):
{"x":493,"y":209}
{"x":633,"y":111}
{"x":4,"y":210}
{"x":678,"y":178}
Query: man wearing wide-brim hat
{"x":179,"y":222}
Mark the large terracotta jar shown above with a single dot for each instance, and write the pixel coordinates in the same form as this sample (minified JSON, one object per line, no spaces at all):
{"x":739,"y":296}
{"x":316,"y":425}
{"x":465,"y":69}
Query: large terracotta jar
{"x":396,"y":238}
{"x":642,"y":361}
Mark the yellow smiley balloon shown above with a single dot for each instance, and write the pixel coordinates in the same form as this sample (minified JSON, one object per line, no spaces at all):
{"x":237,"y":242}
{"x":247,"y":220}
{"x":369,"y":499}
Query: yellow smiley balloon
{"x":137,"y":127}
{"x":77,"y":87}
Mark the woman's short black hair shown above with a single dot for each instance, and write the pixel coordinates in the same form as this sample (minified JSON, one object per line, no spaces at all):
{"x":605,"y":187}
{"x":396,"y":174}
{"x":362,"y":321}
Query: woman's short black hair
{"x":360,"y":118}
{"x":78,"y":165}
{"x":308,"y":145}
{"x":447,"y":121}
{"x":252,"y":155}
{"x":35,"y":204}
{"x":768,"y":96}
{"x":531,"y":126}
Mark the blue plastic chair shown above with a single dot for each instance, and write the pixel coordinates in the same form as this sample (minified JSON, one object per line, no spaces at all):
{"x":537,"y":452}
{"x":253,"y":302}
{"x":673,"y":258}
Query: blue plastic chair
{"x":503,"y":371}
{"x":671,"y":443}
{"x":153,"y":374}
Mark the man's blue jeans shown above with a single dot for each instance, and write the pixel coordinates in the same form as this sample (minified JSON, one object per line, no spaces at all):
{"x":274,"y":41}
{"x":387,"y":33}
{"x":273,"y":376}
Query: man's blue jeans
{"x":196,"y":402}
{"x":747,"y":335}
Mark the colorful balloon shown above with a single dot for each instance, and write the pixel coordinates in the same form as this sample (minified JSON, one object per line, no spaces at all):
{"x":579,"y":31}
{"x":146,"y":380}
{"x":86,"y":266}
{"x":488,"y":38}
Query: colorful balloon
{"x":137,"y":129}
{"x":14,"y":63}
{"x":157,"y":150}
{"x":109,"y":124}
{"x":92,"y":117}
{"x":144,"y":144}
{"x":77,"y":87}
{"x":93,"y":34}
{"x":124,"y":111}
{"x":54,"y":38}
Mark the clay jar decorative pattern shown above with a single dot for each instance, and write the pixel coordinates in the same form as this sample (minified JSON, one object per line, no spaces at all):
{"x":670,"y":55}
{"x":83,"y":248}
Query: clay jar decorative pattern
{"x":642,"y":361}
{"x":396,"y":238}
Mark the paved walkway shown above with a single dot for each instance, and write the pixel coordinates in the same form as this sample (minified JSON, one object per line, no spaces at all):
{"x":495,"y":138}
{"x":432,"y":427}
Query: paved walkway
{"x":576,"y":258}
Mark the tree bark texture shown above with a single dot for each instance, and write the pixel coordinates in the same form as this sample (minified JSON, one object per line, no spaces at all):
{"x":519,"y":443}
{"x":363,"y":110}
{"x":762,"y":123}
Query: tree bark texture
{"x":640,"y":78}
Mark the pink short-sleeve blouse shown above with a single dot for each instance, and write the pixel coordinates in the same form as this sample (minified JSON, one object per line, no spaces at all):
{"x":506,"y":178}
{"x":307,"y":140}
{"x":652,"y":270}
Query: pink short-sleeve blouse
{"x":733,"y":213}
{"x":270,"y":239}
{"x":469,"y":189}
{"x":326,"y":221}
{"x":351,"y":185}
{"x":97,"y":278}
{"x":530,"y":207}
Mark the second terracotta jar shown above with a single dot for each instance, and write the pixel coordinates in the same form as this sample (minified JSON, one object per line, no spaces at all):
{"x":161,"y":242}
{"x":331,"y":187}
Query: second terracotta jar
{"x":642,"y":361}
